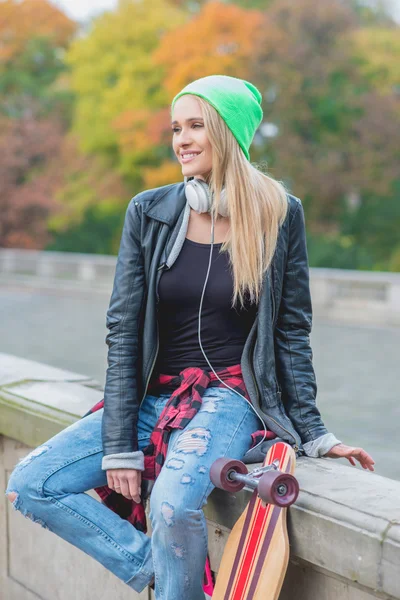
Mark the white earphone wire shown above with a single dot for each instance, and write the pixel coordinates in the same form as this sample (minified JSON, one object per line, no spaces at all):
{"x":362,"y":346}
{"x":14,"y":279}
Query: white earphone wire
{"x":199,"y":335}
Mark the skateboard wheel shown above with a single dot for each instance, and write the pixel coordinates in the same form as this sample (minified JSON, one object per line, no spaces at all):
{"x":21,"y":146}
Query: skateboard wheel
{"x":278,"y":488}
{"x":220,"y":471}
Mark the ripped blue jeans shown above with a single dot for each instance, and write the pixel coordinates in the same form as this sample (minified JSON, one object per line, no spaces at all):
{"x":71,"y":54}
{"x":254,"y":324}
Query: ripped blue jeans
{"x":51,"y":482}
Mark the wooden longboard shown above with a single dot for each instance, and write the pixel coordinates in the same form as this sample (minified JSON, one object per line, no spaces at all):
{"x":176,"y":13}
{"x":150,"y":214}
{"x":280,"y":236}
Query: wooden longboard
{"x":256,"y":554}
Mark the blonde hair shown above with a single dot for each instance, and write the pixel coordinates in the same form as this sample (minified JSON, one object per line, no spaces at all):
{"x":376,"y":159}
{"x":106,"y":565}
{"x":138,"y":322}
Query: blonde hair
{"x":257,"y":204}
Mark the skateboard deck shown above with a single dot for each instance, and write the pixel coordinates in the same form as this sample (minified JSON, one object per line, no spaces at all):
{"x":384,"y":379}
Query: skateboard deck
{"x":256,"y":554}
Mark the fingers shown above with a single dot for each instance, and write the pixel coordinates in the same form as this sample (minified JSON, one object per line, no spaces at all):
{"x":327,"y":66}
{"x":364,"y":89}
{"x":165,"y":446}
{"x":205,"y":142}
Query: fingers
{"x":352,"y":454}
{"x":110,"y":480}
{"x":134,"y":487}
{"x":124,"y":488}
{"x":125,"y":482}
{"x":365,"y":460}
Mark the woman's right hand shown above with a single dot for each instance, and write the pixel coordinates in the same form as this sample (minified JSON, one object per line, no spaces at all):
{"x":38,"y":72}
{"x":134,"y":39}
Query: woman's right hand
{"x":126,"y":482}
{"x":351,"y":453}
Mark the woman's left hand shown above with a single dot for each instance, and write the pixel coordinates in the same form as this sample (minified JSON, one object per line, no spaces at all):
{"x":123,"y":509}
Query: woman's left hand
{"x":343,"y":451}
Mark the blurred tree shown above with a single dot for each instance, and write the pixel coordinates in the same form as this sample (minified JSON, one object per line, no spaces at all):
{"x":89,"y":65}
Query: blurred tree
{"x":221,"y":39}
{"x":377,"y":51}
{"x":28,"y":82}
{"x":113,"y":73}
{"x":375,"y":226}
{"x":33,"y":36}
{"x":369,"y":13}
{"x":26,"y":188}
{"x":88,"y":193}
{"x":335,"y":133}
{"x":168,"y":172}
{"x":98,"y":231}
{"x":22,"y":20}
{"x":249,"y":4}
{"x":33,"y":116}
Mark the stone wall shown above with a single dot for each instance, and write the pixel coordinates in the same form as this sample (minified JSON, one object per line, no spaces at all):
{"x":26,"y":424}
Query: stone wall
{"x":339,"y":294}
{"x":344,"y":529}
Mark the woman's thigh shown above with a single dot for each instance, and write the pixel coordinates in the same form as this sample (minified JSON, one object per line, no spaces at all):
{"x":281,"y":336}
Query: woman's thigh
{"x":222,"y":427}
{"x":72,"y":458}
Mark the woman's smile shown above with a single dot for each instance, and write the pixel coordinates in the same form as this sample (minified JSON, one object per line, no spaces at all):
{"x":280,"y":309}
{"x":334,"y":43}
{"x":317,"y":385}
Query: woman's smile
{"x":189,"y":157}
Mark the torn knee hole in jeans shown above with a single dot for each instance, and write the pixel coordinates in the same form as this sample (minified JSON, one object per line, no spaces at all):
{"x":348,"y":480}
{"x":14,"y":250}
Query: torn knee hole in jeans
{"x":210,"y":404}
{"x":195,"y":440}
{"x":12,"y":496}
{"x":34,"y":454}
{"x":178,"y":550}
{"x":168,"y":514}
{"x":16,"y":503}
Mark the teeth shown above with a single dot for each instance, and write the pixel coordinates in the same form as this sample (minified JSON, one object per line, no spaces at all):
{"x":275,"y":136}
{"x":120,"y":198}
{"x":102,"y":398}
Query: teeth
{"x":189,"y":155}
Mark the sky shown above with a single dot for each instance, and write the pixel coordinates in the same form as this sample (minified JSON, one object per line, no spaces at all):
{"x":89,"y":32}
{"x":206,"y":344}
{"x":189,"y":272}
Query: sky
{"x":80,"y":10}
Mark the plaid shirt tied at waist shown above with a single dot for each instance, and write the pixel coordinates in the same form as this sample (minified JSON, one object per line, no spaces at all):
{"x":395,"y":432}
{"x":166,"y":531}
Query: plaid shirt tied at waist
{"x":185,"y":401}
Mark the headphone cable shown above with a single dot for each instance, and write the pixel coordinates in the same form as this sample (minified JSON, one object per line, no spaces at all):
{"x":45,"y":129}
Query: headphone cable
{"x":199,"y":335}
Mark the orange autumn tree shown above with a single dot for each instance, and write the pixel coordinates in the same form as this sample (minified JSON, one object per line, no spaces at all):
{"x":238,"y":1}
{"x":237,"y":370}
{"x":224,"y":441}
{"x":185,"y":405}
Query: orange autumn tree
{"x":21,"y":20}
{"x":220,"y":39}
{"x":116,"y":82}
{"x":33,"y":35}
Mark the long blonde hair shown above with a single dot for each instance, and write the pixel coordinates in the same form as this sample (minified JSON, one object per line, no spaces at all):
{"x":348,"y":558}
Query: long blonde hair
{"x":257,"y":204}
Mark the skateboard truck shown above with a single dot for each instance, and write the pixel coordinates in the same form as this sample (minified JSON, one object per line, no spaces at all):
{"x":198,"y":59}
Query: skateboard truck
{"x":273,"y":486}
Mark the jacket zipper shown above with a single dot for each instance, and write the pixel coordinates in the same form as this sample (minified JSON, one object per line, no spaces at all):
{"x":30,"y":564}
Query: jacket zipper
{"x":295,"y":447}
{"x":152,"y":367}
{"x":273,"y":319}
{"x":273,"y":299}
{"x":160,"y":268}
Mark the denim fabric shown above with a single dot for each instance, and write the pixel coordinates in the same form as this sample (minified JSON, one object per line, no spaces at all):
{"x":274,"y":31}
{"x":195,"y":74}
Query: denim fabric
{"x":51,"y":481}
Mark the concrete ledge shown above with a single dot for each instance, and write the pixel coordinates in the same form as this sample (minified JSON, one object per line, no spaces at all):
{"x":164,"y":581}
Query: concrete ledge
{"x":344,"y":528}
{"x":37,"y":401}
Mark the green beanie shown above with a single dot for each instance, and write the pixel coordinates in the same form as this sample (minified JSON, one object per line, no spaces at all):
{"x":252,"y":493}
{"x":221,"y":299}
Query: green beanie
{"x":237,"y":101}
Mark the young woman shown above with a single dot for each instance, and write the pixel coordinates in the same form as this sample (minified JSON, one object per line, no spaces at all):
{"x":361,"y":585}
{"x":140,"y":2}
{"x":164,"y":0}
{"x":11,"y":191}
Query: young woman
{"x":209,"y":324}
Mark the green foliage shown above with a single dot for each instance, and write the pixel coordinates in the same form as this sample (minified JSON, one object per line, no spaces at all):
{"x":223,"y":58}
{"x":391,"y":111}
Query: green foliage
{"x":112,"y":70}
{"x":97,"y":233}
{"x":376,"y":226}
{"x":368,"y":237}
{"x":28,"y":80}
{"x":337,"y":252}
{"x":258,"y":4}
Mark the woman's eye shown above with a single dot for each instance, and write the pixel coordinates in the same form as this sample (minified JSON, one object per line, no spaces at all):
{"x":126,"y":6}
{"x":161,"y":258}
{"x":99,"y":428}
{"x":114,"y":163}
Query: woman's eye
{"x":175,"y":129}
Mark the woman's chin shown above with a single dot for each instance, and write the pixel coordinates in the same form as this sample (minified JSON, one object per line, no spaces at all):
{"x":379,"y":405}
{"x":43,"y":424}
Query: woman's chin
{"x":194,"y":173}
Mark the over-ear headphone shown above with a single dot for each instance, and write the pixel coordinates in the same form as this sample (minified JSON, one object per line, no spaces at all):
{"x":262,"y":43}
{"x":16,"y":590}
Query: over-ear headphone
{"x":198,"y":195}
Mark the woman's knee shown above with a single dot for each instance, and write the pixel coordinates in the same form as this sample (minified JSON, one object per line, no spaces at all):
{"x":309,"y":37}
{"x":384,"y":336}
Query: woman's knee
{"x":20,"y":487}
{"x":23,"y":481}
{"x":24,"y":498}
{"x":171,"y":515}
{"x":23,"y":494}
{"x":12,"y":496}
{"x":173,"y":509}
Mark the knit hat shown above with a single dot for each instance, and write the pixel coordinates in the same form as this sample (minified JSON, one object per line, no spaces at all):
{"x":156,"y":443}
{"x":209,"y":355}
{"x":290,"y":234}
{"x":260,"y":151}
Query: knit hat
{"x":237,"y":101}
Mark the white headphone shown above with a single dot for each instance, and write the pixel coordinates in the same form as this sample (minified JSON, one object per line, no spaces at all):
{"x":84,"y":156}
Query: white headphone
{"x":198,"y":195}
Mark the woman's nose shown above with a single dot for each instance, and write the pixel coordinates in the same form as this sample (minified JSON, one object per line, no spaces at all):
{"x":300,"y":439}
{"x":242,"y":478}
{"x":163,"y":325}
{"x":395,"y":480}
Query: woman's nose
{"x":185,"y":138}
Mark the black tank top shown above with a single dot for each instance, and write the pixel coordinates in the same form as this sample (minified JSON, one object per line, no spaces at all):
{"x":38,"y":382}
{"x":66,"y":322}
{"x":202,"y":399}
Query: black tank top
{"x":223,"y":329}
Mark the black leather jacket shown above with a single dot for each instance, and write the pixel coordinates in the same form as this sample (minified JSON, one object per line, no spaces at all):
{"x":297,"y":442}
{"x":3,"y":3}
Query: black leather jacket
{"x":277,"y":357}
